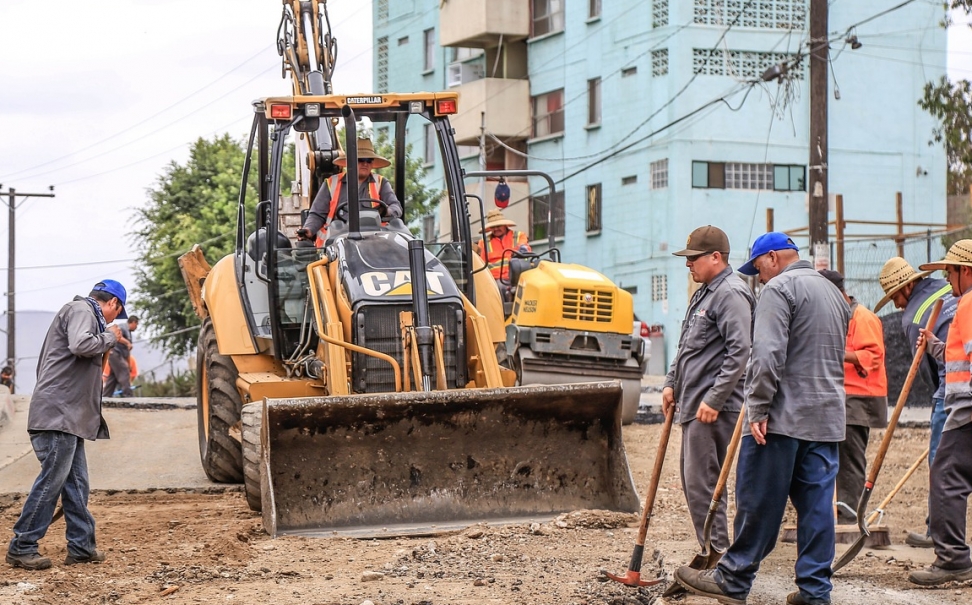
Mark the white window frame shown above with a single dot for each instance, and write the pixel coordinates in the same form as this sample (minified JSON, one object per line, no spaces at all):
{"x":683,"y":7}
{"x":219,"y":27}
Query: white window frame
{"x":659,"y":174}
{"x":545,"y":124}
{"x":593,"y":101}
{"x":547,"y":17}
{"x":428,"y":39}
{"x":594,"y":9}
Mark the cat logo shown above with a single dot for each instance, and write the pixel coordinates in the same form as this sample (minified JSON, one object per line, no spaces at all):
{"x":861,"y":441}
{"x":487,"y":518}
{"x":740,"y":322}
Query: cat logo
{"x":397,"y":283}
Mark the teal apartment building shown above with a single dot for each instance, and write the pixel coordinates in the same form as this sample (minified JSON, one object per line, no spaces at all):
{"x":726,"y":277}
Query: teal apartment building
{"x":653,"y":118}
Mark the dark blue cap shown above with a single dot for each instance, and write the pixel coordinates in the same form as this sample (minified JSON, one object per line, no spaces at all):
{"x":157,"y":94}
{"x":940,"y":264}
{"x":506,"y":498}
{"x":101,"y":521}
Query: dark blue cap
{"x":774,"y":240}
{"x":115,"y":289}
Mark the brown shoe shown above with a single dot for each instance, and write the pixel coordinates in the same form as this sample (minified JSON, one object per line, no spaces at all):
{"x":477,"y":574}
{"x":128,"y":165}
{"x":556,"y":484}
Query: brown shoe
{"x":703,"y":584}
{"x":797,"y":598}
{"x":919,"y":540}
{"x":96,"y":557}
{"x":32,"y":561}
{"x":932,"y":576}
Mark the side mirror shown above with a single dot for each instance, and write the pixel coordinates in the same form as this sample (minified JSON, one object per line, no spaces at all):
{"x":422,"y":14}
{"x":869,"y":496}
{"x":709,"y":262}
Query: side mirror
{"x":305,"y":124}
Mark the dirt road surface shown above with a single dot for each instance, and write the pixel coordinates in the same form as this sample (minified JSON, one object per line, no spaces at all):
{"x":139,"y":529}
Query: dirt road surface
{"x":202,"y":545}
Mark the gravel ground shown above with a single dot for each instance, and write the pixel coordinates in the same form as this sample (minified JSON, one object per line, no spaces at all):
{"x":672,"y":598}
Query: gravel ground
{"x":205,"y":546}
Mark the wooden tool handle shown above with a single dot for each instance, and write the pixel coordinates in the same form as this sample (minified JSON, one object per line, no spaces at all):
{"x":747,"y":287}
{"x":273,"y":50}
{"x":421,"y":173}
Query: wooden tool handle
{"x":902,"y":398}
{"x":730,"y":455}
{"x":656,"y":472}
{"x":887,"y":500}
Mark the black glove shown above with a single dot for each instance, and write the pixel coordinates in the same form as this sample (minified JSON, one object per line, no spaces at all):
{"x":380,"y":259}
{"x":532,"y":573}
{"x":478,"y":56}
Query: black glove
{"x":304,"y":235}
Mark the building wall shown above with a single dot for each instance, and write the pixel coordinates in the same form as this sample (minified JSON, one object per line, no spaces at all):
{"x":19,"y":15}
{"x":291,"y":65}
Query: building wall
{"x":878,"y":136}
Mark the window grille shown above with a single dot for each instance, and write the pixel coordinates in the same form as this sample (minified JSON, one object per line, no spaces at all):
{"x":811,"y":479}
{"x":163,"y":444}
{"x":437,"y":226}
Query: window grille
{"x":659,"y":287}
{"x":659,"y":13}
{"x":759,"y":14}
{"x":382,"y":64}
{"x":747,"y":65}
{"x":659,"y":62}
{"x":659,"y":174}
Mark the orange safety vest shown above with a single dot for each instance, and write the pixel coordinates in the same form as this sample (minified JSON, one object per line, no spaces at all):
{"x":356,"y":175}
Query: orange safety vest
{"x":958,"y":349}
{"x":334,"y":186}
{"x":865,"y":336}
{"x":492,"y":252}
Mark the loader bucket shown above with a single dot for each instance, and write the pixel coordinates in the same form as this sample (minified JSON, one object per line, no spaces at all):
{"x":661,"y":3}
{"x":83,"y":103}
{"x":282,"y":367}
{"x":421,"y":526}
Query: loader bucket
{"x":395,"y":464}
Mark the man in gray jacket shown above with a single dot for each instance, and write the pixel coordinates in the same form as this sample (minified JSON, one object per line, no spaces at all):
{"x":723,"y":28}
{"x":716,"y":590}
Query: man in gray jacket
{"x":704,"y":383}
{"x":795,"y":407}
{"x":65,"y":409}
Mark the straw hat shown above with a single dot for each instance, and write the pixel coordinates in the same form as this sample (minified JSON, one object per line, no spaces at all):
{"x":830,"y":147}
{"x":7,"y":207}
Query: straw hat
{"x":366,"y":150}
{"x":896,"y":274}
{"x":495,"y":218}
{"x":959,"y":254}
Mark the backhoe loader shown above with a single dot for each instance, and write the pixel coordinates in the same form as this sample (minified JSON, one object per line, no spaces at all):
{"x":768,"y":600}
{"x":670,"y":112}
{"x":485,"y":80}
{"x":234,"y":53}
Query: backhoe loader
{"x":354,"y":387}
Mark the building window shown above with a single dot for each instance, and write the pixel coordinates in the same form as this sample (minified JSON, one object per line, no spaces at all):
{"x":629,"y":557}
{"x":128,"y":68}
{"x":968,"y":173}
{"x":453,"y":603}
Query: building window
{"x":539,"y":219}
{"x":548,"y":113}
{"x":629,"y":71}
{"x":593,"y":209}
{"x":763,"y":14}
{"x":594,"y":9}
{"x":403,"y":41}
{"x":548,"y":17}
{"x":430,"y":142}
{"x":659,"y":174}
{"x":429,"y":38}
{"x":742,"y":64}
{"x":382,"y":11}
{"x":383,"y":64}
{"x":659,"y":13}
{"x":629,"y":180}
{"x":594,"y":101}
{"x":428,"y":228}
{"x":659,"y":287}
{"x":736,"y":175}
{"x":659,"y":62}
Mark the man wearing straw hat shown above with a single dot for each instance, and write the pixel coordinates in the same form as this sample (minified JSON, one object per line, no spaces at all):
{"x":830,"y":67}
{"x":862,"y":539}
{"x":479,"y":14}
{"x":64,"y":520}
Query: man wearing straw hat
{"x":951,"y":473}
{"x":914,"y":294}
{"x":370,"y":186}
{"x":499,"y":239}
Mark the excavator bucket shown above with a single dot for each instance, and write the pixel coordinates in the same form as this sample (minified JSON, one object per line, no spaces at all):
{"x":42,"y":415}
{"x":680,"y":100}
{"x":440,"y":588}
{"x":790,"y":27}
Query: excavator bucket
{"x":417,"y":463}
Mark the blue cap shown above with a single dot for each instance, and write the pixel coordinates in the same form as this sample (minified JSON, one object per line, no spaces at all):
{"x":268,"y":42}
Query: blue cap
{"x":774,"y":240}
{"x":115,"y":289}
{"x":502,"y":195}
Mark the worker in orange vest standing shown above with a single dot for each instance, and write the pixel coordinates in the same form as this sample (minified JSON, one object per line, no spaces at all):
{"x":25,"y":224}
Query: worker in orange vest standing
{"x":371,"y":186}
{"x":499,"y":240}
{"x":951,"y":471}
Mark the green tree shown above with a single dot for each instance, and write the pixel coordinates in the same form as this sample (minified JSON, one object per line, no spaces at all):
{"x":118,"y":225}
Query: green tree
{"x":189,"y":204}
{"x":420,"y":200}
{"x":951,"y":104}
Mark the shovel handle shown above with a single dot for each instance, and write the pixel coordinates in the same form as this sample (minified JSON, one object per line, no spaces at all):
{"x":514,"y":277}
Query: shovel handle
{"x":887,"y":500}
{"x":902,"y":398}
{"x":730,"y":456}
{"x":655,"y":477}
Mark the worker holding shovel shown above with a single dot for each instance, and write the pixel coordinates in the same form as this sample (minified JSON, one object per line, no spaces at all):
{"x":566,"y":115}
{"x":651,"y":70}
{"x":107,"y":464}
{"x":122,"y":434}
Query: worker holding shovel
{"x":795,"y":405}
{"x":704,"y":383}
{"x":951,"y":471}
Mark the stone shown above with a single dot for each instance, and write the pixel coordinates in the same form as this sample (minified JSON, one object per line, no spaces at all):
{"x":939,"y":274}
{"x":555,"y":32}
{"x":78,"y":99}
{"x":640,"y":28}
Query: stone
{"x":370,"y":576}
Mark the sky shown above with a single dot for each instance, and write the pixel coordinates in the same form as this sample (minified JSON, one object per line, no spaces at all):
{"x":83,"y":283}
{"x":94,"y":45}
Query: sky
{"x":98,"y":97}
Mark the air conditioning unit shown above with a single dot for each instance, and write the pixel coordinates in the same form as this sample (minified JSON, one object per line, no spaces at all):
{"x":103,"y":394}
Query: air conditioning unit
{"x":461,"y":73}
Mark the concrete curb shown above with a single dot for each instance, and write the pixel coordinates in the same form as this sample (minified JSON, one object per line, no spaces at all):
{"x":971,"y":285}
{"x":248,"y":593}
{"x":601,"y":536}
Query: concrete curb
{"x":150,"y":403}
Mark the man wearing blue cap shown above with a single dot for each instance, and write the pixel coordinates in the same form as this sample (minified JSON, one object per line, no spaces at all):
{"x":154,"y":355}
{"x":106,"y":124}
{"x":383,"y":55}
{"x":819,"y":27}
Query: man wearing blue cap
{"x":65,"y":409}
{"x":795,"y":406}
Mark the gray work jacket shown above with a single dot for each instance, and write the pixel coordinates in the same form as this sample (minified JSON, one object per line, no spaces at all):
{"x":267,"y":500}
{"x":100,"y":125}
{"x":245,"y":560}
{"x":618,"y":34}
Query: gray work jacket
{"x":67,"y":396}
{"x":713,"y":348}
{"x":795,"y":376}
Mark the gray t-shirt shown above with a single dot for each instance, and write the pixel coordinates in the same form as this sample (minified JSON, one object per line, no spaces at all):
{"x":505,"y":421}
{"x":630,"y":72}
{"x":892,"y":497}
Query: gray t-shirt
{"x":120,"y":347}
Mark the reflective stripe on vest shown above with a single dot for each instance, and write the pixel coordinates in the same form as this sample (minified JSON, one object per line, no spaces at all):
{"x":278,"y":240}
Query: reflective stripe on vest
{"x":920,"y":313}
{"x":334,"y":186}
{"x":959,"y":341}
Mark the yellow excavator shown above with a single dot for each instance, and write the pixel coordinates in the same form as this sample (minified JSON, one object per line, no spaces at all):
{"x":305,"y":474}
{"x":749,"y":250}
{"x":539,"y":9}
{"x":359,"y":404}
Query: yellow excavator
{"x":354,"y":387}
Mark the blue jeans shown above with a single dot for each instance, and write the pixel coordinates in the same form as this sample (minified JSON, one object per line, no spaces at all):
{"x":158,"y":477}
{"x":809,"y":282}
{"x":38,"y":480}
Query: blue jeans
{"x":766,"y":475}
{"x":938,"y":417}
{"x":64,"y":473}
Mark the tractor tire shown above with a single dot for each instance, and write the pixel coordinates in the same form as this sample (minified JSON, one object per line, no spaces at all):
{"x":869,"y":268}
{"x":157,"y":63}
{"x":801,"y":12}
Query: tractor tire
{"x":218,"y":409}
{"x":252,"y":416}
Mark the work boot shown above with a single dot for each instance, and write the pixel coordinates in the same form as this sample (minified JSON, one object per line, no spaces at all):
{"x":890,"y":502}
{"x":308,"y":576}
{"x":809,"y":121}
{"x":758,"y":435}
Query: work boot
{"x":919,"y":540}
{"x":797,"y":598}
{"x":932,"y":575}
{"x":703,"y":584}
{"x":96,"y":557}
{"x":29,"y":561}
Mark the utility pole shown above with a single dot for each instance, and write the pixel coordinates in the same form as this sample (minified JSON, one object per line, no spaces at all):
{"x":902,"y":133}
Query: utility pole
{"x":819,"y":55}
{"x":12,"y":196}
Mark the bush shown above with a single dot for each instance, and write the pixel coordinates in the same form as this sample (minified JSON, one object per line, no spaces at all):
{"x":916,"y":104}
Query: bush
{"x":179,"y":384}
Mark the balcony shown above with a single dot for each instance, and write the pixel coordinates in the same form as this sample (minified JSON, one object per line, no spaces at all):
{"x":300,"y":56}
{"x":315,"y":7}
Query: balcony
{"x":480,"y":23}
{"x":507,"y":106}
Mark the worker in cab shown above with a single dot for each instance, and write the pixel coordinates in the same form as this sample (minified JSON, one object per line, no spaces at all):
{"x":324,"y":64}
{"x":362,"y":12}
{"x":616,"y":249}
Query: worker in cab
{"x":500,"y":239}
{"x":371,"y":186}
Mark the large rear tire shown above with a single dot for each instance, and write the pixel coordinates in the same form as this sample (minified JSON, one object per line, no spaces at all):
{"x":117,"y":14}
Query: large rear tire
{"x":218,"y":409}
{"x":252,"y":417}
